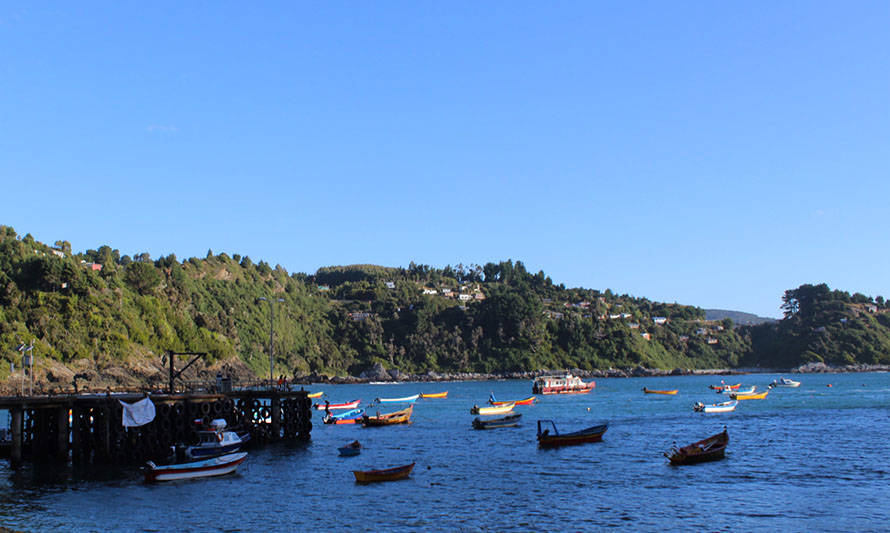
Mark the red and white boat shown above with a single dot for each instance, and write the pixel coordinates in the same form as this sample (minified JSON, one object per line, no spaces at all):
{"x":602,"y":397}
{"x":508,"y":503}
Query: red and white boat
{"x":331,"y":406}
{"x":564,"y":384}
{"x":216,"y":466}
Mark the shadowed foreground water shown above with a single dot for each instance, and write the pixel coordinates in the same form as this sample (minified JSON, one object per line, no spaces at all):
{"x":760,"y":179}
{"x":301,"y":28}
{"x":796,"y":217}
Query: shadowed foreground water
{"x":813,"y":458}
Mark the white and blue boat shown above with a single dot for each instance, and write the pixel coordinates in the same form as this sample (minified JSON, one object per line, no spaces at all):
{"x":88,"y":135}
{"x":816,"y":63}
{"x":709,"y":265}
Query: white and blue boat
{"x":406,"y":399}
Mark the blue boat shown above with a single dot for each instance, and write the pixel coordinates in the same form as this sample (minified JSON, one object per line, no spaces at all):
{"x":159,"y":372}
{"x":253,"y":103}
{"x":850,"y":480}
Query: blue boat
{"x":351,"y":449}
{"x":352,"y":414}
{"x":406,"y":399}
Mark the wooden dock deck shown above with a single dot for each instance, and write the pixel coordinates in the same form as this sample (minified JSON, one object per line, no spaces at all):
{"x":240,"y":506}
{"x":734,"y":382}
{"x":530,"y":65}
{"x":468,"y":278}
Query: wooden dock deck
{"x":88,"y":428}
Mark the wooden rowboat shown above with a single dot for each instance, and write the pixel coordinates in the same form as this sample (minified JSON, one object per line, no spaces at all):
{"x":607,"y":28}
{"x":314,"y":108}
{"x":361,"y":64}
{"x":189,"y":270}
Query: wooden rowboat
{"x":314,"y":394}
{"x":528,"y":401}
{"x":350,"y":450}
{"x":389,"y":419}
{"x":434,"y":395}
{"x":757,"y":396}
{"x":330,"y":406}
{"x":390,"y":474}
{"x":217,"y":466}
{"x":494,"y":410}
{"x":495,"y":423}
{"x":406,"y":399}
{"x":709,"y":449}
{"x":722,"y":386}
{"x":722,"y":407}
{"x":551,"y":438}
{"x":352,"y":414}
{"x":746,"y":390}
{"x":670,"y":392}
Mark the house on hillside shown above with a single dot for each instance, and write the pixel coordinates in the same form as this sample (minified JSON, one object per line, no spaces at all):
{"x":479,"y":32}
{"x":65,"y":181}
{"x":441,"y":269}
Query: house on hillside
{"x":427,"y":290}
{"x":647,"y":336}
{"x":92,"y":266}
{"x":659,"y":320}
{"x":464,"y":297}
{"x":359,"y":316}
{"x":57,"y":253}
{"x":712,"y":340}
{"x":633,"y":325}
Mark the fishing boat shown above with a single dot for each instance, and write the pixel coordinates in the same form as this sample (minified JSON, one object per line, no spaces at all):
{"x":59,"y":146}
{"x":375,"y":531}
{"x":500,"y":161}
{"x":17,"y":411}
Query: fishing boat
{"x":494,"y":410}
{"x":352,"y":414}
{"x":390,"y":474}
{"x":494,"y":423}
{"x":563,"y":384}
{"x":214,"y":441}
{"x":709,"y":449}
{"x":350,"y":450}
{"x":330,"y":406}
{"x":528,"y":401}
{"x":215,"y":466}
{"x":314,"y":394}
{"x":722,"y":407}
{"x":724,"y":386}
{"x":406,"y":399}
{"x":750,"y":396}
{"x":551,"y":438}
{"x":388,"y":419}
{"x":668,"y":392}
{"x":785,"y":382}
{"x":434,"y":395}
{"x":746,"y":390}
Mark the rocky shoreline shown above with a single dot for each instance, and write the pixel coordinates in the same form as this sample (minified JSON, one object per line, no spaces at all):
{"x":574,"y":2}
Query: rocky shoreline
{"x":379,"y":374}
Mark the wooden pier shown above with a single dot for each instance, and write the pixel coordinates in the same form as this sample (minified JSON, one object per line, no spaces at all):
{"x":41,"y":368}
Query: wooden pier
{"x":88,"y":428}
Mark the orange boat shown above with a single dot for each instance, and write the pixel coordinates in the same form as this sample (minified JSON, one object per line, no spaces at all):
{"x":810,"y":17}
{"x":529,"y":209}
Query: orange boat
{"x":563,"y":384}
{"x":709,"y":449}
{"x":650,"y":391}
{"x":390,"y":474}
{"x":723,"y":387}
{"x":434,"y":395}
{"x":528,"y":401}
{"x":389,"y":419}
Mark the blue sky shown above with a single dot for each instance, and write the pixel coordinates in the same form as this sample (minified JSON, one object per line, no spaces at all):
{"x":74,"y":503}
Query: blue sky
{"x":711,"y":155}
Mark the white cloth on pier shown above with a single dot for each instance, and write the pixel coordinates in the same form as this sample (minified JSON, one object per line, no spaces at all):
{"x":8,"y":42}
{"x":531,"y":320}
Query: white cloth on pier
{"x":139,"y":413}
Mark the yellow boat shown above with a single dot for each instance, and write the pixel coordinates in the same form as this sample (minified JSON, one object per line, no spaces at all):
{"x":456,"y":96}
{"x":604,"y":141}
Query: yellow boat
{"x":389,"y":419}
{"x":496,"y":410}
{"x":757,"y":396}
{"x":649,"y":391}
{"x":435,"y":395}
{"x":315,"y":394}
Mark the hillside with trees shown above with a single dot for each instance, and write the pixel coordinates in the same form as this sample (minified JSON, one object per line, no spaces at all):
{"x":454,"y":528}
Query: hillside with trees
{"x":97,"y":311}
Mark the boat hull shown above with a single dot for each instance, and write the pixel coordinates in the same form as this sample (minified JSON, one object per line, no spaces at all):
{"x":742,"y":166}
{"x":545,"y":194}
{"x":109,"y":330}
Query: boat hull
{"x":390,"y":419}
{"x":406,"y":399}
{"x":666,"y":392}
{"x":435,"y":395}
{"x":389,"y":474}
{"x":528,"y":401}
{"x":505,"y":422}
{"x":351,"y":405}
{"x":584,"y":436}
{"x":217,"y":466}
{"x":724,"y":407}
{"x":712,"y":448}
{"x":494,"y":410}
{"x":758,"y":396}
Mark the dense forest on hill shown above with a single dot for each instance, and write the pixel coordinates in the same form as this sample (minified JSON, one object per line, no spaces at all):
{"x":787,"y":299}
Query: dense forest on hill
{"x":101,"y":308}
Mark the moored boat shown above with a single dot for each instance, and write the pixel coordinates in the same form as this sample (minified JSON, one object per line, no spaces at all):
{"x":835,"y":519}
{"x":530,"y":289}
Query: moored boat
{"x":528,"y":401}
{"x":749,"y":396}
{"x":213,"y":441}
{"x":314,"y":394}
{"x":398,"y":417}
{"x":709,"y":449}
{"x":434,"y":395}
{"x":215,"y":466}
{"x":667,"y":392}
{"x":563,"y":384}
{"x":350,"y":450}
{"x":352,"y":414}
{"x":389,"y":474}
{"x":406,"y":399}
{"x":330,"y":406}
{"x":551,"y":438}
{"x":724,"y":386}
{"x":494,"y":410}
{"x":722,"y":407}
{"x":746,"y":390}
{"x":495,"y":423}
{"x":785,"y":382}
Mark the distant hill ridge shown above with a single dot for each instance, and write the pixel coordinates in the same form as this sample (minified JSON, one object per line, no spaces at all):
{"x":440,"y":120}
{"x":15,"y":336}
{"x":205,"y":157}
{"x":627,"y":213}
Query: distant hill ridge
{"x":738,"y":317}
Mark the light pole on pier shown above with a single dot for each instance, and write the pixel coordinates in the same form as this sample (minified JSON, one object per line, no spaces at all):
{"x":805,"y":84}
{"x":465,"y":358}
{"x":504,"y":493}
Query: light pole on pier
{"x":271,"y":336}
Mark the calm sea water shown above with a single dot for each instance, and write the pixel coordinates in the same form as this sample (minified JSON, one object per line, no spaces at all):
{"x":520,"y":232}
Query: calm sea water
{"x":813,"y":458}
